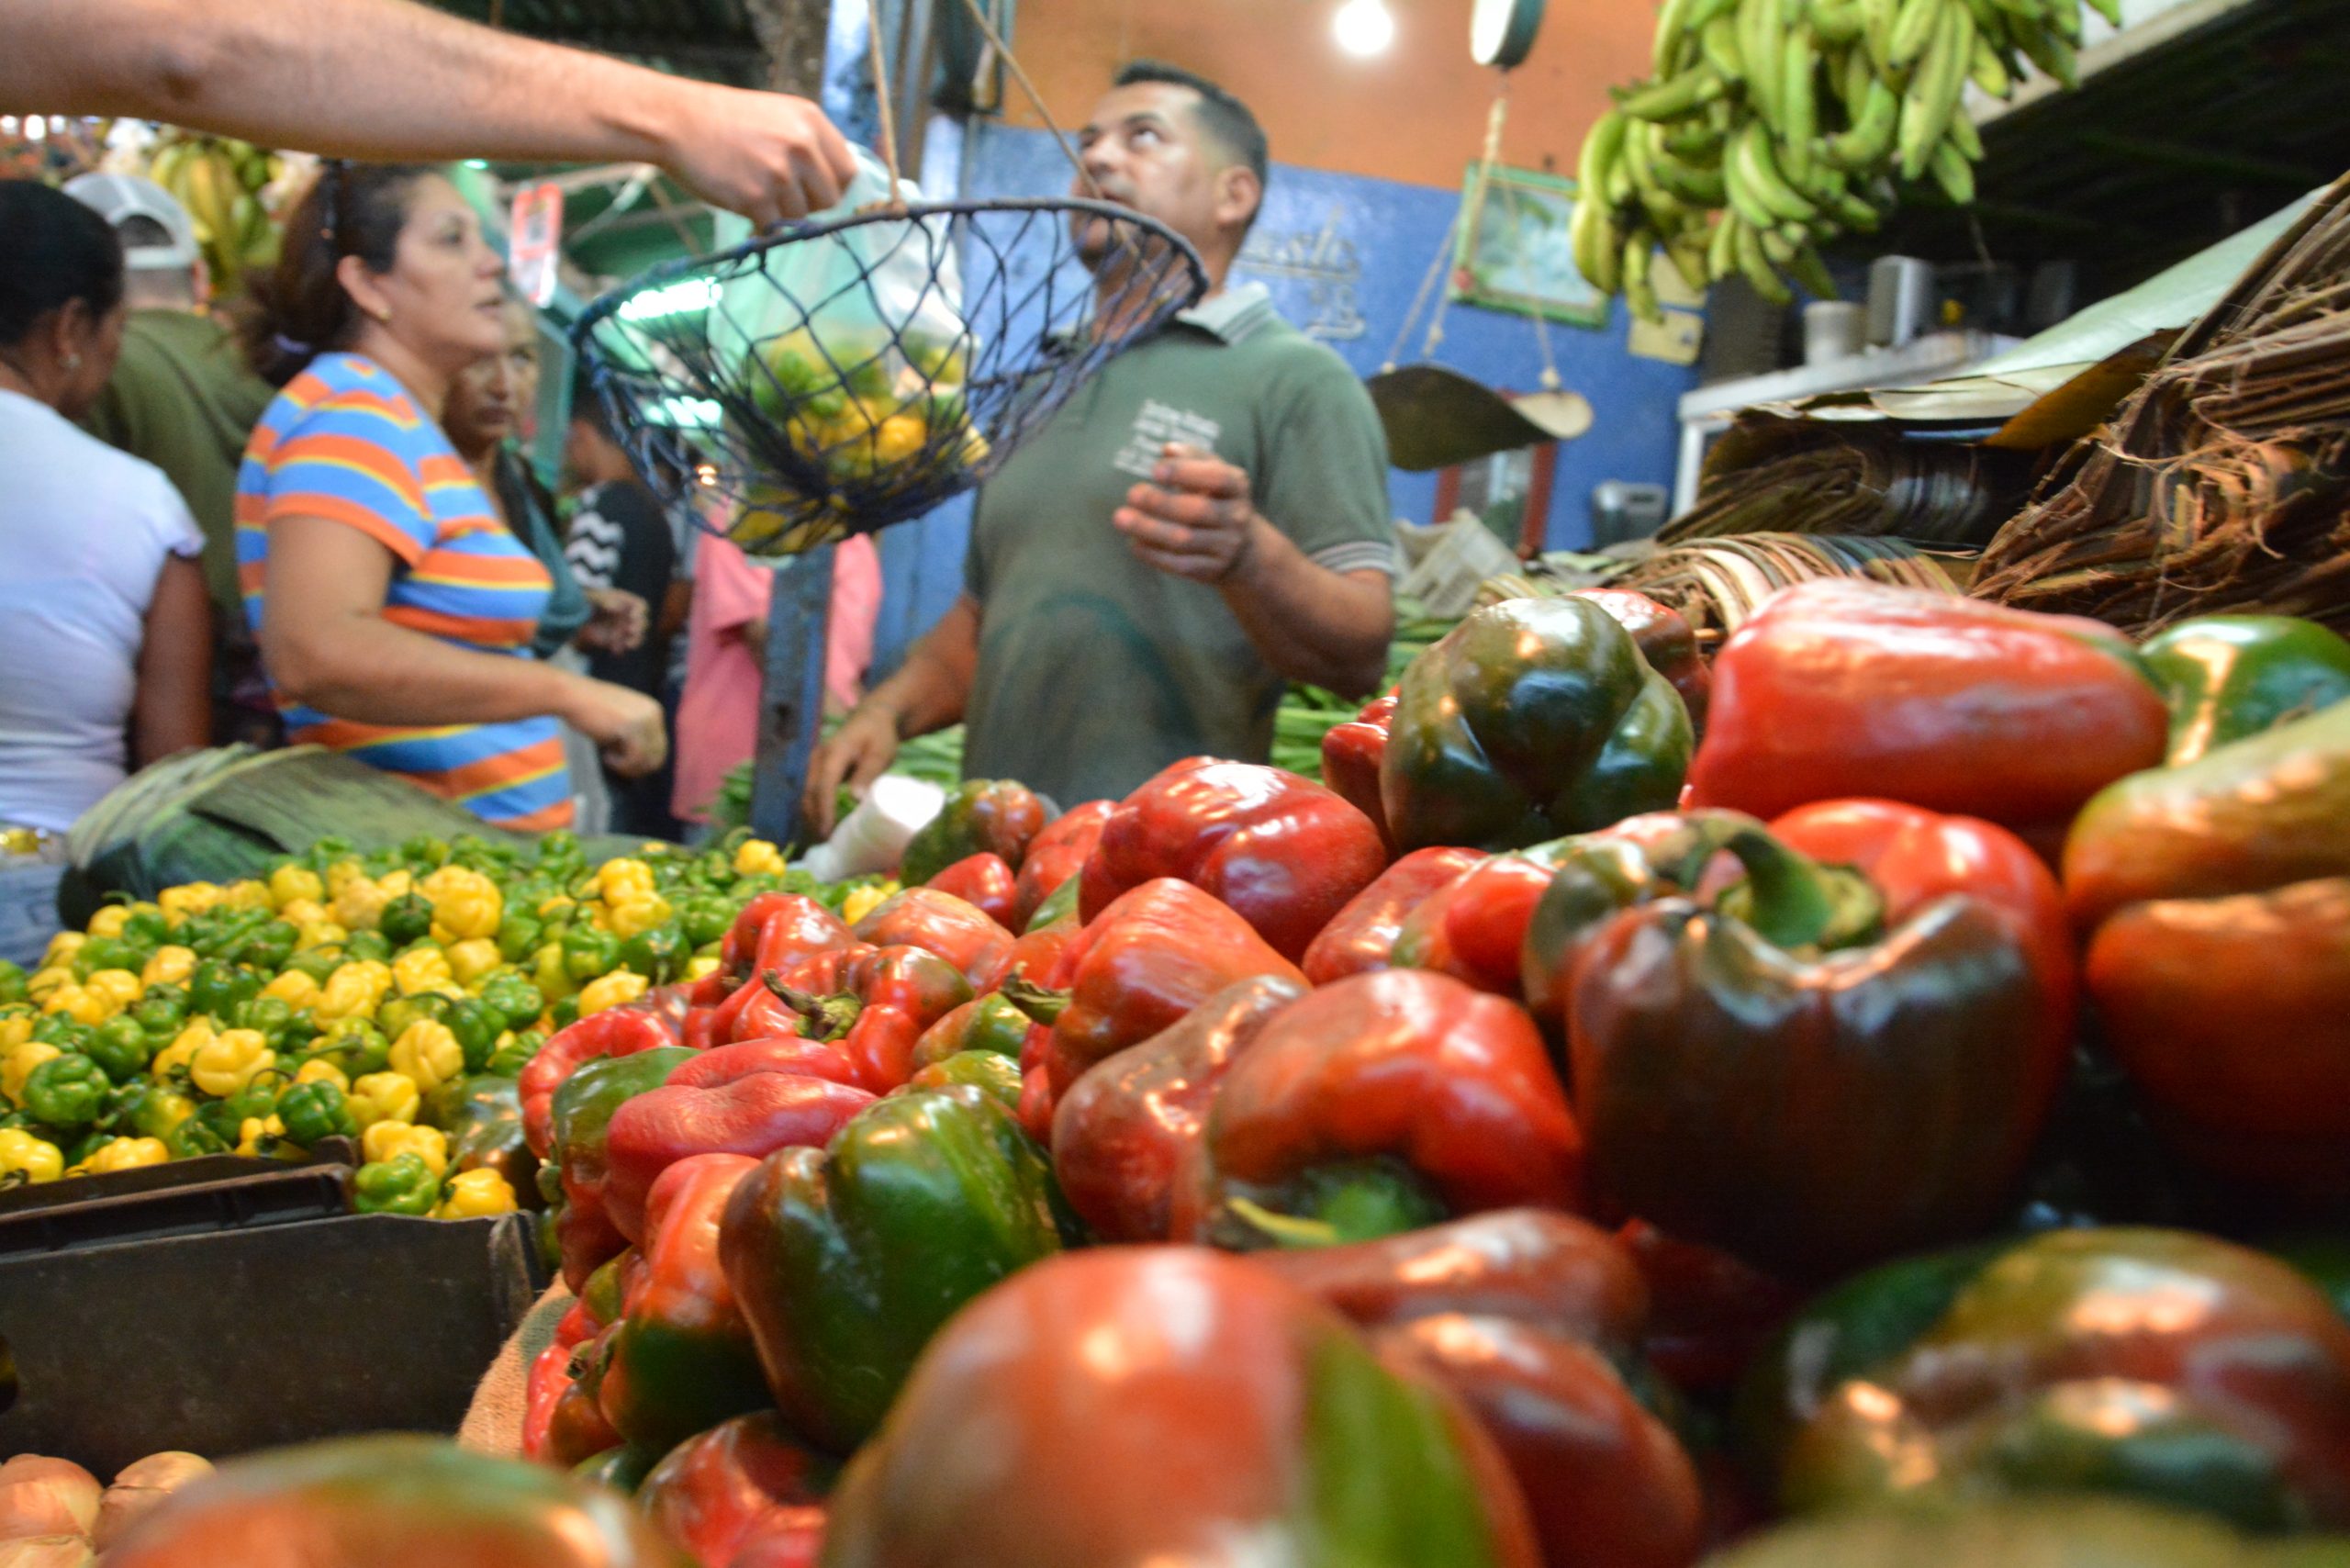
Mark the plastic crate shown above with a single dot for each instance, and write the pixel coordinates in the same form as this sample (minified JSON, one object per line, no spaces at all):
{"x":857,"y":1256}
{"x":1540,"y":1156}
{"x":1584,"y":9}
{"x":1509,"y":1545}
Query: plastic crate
{"x":250,"y":1337}
{"x":180,"y":1197}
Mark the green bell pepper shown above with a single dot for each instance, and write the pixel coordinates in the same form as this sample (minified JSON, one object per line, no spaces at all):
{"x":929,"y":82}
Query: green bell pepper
{"x":2226,"y":676}
{"x":161,"y":1009}
{"x":515,"y":998}
{"x":121,"y":1048}
{"x":314,"y":1111}
{"x":193,"y":1137}
{"x":403,"y":1185}
{"x":846,"y":1260}
{"x":519,"y":935}
{"x":564,"y":1012}
{"x":407,"y":918}
{"x":67,"y":1092}
{"x":658,"y":954}
{"x":1531,"y":720}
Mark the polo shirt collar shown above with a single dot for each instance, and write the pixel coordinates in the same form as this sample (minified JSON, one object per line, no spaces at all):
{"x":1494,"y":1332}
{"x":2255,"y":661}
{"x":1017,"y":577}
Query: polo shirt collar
{"x":1232,"y":314}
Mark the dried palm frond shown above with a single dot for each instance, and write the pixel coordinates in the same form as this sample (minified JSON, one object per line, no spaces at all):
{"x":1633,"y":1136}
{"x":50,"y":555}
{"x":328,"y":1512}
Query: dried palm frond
{"x":1772,"y":474}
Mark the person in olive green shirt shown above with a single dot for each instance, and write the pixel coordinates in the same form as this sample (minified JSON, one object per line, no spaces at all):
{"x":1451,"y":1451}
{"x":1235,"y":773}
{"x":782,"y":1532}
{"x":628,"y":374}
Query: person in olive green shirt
{"x":183,"y":397}
{"x":1202,"y":521}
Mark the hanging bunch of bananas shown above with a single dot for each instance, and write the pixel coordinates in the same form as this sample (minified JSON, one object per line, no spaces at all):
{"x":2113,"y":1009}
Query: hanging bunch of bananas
{"x":1772,"y":125}
{"x":221,"y":182}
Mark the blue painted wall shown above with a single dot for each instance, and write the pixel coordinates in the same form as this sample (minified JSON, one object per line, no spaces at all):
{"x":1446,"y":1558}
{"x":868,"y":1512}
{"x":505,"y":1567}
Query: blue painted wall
{"x":1357,"y":250}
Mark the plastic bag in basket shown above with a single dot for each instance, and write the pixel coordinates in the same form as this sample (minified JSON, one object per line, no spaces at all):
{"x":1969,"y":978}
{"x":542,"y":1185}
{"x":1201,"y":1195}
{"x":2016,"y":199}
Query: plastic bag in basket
{"x":854,"y":348}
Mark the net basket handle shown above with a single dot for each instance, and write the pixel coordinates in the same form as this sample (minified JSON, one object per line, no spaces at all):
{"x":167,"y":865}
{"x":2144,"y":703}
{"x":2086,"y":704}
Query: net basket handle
{"x":879,"y":65}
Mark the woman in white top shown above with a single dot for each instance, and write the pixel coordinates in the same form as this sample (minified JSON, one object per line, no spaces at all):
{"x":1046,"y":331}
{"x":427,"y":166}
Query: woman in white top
{"x":106,"y":655}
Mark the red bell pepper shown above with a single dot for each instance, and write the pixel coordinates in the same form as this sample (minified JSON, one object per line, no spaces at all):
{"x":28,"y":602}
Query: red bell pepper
{"x":1841,"y":688}
{"x":783,"y":1053}
{"x":1382,"y":1103}
{"x":1162,"y":1405}
{"x":1285,"y":853}
{"x":615,"y":1032}
{"x":783,"y":1536}
{"x":1709,"y":1314}
{"x":1037,"y":958}
{"x":577,"y":1426}
{"x":995,"y":816}
{"x":940,"y":923}
{"x":1665,"y":641}
{"x":1149,"y":958}
{"x":777,"y":930}
{"x":1361,"y":936}
{"x":548,"y":1380}
{"x":712,"y":1494}
{"x":1350,"y":758}
{"x":1473,"y":928}
{"x":984,"y":883}
{"x":753,"y":1011}
{"x":1126,"y":1136}
{"x":876,"y":1003}
{"x":753,"y":1116}
{"x":1526,"y":1316}
{"x":1056,"y":855}
{"x":681,"y":1358}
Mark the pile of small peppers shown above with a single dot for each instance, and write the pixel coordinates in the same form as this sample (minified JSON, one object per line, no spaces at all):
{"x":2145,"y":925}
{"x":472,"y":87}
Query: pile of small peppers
{"x":391,"y":1000}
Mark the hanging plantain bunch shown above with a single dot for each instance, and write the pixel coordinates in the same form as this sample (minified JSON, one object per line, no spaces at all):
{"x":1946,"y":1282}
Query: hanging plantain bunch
{"x":1792,"y":121}
{"x":224,"y":185}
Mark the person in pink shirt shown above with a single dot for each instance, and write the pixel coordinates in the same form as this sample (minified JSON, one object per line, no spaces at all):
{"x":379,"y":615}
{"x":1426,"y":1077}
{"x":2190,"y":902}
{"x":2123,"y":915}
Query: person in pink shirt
{"x":718,"y":717}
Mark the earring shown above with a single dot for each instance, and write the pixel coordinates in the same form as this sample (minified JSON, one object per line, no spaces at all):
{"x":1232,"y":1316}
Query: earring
{"x":73,"y":362}
{"x":384,"y":314}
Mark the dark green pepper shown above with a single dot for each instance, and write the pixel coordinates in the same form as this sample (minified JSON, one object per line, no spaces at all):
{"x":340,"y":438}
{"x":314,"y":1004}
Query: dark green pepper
{"x":121,"y":1048}
{"x":510,"y":1059}
{"x":519,"y":935}
{"x":147,"y":929}
{"x":590,"y":954}
{"x":477,"y":1026}
{"x":515,"y":998}
{"x":266,"y":1016}
{"x":621,"y":1468}
{"x":192,"y":1138}
{"x":563,"y":1014}
{"x":659,"y":954}
{"x":407,"y":918}
{"x":67,"y":1092}
{"x":257,"y":1100}
{"x":218,"y":989}
{"x":79,"y":1147}
{"x":315,"y":1112}
{"x":482,"y":1118}
{"x":706,"y":920}
{"x":266,"y":947}
{"x":2226,"y":676}
{"x":161,"y":1009}
{"x":425,"y":853}
{"x":354,"y":1046}
{"x":401,"y":1185}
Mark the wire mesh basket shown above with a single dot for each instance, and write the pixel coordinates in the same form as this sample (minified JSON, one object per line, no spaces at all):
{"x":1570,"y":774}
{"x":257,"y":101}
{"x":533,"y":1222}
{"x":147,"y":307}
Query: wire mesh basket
{"x":836,"y":376}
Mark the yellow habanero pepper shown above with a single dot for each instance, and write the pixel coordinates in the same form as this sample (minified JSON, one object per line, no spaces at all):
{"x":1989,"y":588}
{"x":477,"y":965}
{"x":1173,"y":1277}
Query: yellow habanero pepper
{"x":384,"y":1097}
{"x":396,"y":883}
{"x":341,"y":875}
{"x":319,"y":934}
{"x":617,"y":880}
{"x":555,"y":980}
{"x":81,"y":1003}
{"x":19,"y":1064}
{"x":181,"y":1053}
{"x":635,"y":916}
{"x":188,"y":898}
{"x":170,"y":965}
{"x":15,"y":1028}
{"x":465,"y":904}
{"x":298,"y":912}
{"x":125,"y":1154}
{"x":250,"y":893}
{"x":700,"y":964}
{"x":428,"y":1054}
{"x":472,"y":958}
{"x":389,"y":1140}
{"x":291,"y":884}
{"x":62,"y":948}
{"x":353,"y":991}
{"x":230,"y":1060}
{"x":474,"y":1194}
{"x":420,"y":969}
{"x":864,"y":901}
{"x":109,"y":921}
{"x":295,"y":987}
{"x":24,"y":1157}
{"x":119,"y":986}
{"x":360,"y":905}
{"x":253,"y":1132}
{"x":610,"y":990}
{"x":40,"y":982}
{"x":554,"y":906}
{"x":318,"y":1069}
{"x":757,"y":857}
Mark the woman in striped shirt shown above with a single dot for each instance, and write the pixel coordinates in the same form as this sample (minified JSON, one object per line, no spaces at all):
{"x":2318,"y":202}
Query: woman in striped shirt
{"x":395,"y":610}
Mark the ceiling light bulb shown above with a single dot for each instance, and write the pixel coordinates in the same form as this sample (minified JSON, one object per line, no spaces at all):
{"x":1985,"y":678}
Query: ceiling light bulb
{"x":1365,"y":27}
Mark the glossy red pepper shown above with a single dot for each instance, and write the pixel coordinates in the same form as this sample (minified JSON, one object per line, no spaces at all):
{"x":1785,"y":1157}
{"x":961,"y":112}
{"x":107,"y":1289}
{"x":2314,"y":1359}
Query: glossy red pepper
{"x":745,"y":1478}
{"x":984,"y":883}
{"x":1665,"y":639}
{"x":1361,"y":936}
{"x":577,"y":1426}
{"x":1473,"y":928}
{"x":1840,"y":687}
{"x":777,"y":930}
{"x":996,"y":816}
{"x":1149,"y":958}
{"x":615,"y":1032}
{"x":1056,"y":855}
{"x":1167,"y":1404}
{"x":1382,"y":1103}
{"x":1285,"y":853}
{"x":754,"y":1116}
{"x":1709,"y":1314}
{"x":876,"y":1003}
{"x":940,"y":923}
{"x":1126,"y":1136}
{"x":785,"y":1054}
{"x":1037,"y":957}
{"x":1350,"y":758}
{"x":755,"y":1012}
{"x":548,"y":1380}
{"x":1526,"y":1316}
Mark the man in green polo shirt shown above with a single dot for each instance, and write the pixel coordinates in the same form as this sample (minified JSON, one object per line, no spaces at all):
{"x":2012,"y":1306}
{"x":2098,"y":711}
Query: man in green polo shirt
{"x":1202,"y":521}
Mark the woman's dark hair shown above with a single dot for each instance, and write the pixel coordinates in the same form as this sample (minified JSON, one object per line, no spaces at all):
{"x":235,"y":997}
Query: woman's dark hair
{"x":300,"y":310}
{"x":57,"y":252}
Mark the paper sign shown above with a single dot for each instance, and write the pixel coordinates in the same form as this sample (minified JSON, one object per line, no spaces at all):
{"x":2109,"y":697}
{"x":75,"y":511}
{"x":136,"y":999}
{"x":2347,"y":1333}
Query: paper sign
{"x":534,"y":237}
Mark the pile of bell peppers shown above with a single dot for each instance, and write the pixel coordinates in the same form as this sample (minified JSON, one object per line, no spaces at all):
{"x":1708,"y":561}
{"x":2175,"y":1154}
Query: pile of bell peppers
{"x":1625,"y":1104}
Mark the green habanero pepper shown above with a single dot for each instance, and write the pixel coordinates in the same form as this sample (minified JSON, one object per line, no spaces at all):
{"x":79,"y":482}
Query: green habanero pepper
{"x":318,"y":963}
{"x":514,"y":997}
{"x":519,"y":935}
{"x":590,"y":954}
{"x":354,"y":1046}
{"x":564,"y":1013}
{"x":192,"y":1138}
{"x":401,"y":1185}
{"x":66,"y":1034}
{"x":367,"y":945}
{"x":265,"y":1015}
{"x":12,"y":981}
{"x":108,"y":953}
{"x":266,"y":947}
{"x":218,"y":988}
{"x":706,"y":919}
{"x":659,"y":954}
{"x":407,"y":918}
{"x":161,"y":1009}
{"x":149,"y":1110}
{"x":476,"y":1025}
{"x":120,"y":1047}
{"x":315,"y":1112}
{"x":425,"y":853}
{"x":394,"y":1017}
{"x":67,"y":1092}
{"x":146,"y":928}
{"x":510,"y":1059}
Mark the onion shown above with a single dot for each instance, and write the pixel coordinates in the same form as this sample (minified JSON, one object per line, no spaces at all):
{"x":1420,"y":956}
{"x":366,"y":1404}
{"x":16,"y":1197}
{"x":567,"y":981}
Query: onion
{"x":46,"y":1551}
{"x":42,"y":1497}
{"x":140,"y":1486}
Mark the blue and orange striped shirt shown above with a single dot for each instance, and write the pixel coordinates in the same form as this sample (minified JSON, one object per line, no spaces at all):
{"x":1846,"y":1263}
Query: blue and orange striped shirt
{"x":344,"y":441}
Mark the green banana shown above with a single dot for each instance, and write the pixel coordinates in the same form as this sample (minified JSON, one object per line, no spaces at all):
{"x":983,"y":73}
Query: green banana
{"x":1592,"y":240}
{"x":1935,"y":89}
{"x":1988,"y":70}
{"x":1963,"y":135}
{"x":1660,"y":203}
{"x":1860,"y":74}
{"x":1870,"y":136}
{"x":1757,"y":267}
{"x":1671,"y":37}
{"x":1850,"y":211}
{"x":1913,"y":29}
{"x":1640,"y":294}
{"x":1602,"y":145}
{"x":1722,"y":252}
{"x":1758,"y":48}
{"x":1799,"y":109}
{"x":2051,"y":54}
{"x":1877,"y":19}
{"x":1806,"y":267}
{"x":1675,"y":98}
{"x":1690,"y":184}
{"x":1838,"y":22}
{"x":1954,"y":175}
{"x":1688,"y":255}
{"x":1750,"y":159}
{"x":1717,"y":41}
{"x":2109,"y":9}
